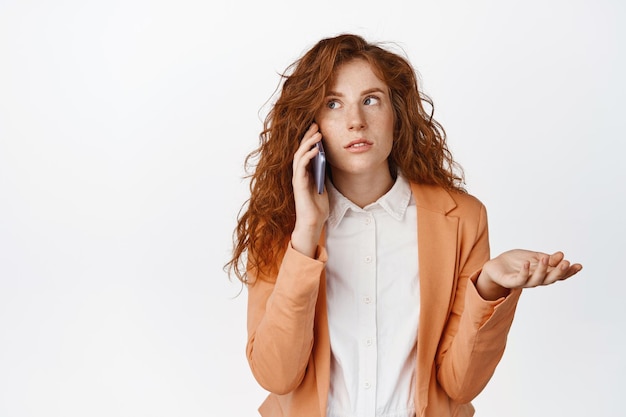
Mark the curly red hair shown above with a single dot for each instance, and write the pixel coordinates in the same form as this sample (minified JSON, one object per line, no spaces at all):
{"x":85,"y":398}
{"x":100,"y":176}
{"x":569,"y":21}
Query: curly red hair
{"x":419,"y":150}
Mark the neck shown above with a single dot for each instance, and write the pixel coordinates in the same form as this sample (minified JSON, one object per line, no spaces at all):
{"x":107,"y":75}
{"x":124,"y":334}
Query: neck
{"x":363,"y":189}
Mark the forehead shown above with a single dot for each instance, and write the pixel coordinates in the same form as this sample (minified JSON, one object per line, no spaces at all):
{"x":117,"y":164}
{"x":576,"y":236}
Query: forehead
{"x":356,"y":73}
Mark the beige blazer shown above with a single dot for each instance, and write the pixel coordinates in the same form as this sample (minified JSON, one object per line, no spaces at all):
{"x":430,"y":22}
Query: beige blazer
{"x":461,"y":337}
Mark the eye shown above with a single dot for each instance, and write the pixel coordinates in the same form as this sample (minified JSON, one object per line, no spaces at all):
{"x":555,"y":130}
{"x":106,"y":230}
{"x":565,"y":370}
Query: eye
{"x":332,"y":104}
{"x":370,"y":100}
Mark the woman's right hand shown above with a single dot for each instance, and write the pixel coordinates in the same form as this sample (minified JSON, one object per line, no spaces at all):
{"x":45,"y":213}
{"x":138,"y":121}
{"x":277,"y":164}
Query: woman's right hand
{"x":311,"y":208}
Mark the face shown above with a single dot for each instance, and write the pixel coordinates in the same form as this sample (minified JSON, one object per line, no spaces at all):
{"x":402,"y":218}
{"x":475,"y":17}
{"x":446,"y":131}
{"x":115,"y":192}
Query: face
{"x":356,"y":122}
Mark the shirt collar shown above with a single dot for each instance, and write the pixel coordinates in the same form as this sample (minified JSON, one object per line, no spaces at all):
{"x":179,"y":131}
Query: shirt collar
{"x":394,"y":202}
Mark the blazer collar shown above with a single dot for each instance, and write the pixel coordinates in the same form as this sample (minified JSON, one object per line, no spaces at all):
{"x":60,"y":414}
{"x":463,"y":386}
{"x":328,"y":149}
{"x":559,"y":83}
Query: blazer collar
{"x":432,"y":198}
{"x":437,"y":242}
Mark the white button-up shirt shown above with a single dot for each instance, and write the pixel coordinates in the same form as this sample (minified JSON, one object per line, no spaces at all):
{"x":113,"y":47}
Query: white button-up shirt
{"x":372,"y":292}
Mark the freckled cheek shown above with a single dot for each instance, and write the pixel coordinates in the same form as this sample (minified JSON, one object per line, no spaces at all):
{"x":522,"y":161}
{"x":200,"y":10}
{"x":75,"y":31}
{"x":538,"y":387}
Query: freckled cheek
{"x":329,"y":134}
{"x":325,"y":122}
{"x":388,"y":127}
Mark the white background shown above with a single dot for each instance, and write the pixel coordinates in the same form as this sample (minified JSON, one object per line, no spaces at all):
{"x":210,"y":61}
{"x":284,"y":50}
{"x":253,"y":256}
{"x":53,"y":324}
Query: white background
{"x":123,"y":129}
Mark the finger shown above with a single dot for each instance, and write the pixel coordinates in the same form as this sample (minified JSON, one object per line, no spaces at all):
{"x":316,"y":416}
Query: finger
{"x":306,"y":146}
{"x":555,"y":258}
{"x":308,"y":141}
{"x":523,"y":276}
{"x":540,"y":272}
{"x":301,"y":163}
{"x":558,"y":273}
{"x":311,"y":131}
{"x":302,"y":178}
{"x":570,"y":270}
{"x":562,"y":271}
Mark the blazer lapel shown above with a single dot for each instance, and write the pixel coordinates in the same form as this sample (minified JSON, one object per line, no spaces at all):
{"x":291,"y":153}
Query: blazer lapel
{"x":437,"y":243}
{"x":321,"y":350}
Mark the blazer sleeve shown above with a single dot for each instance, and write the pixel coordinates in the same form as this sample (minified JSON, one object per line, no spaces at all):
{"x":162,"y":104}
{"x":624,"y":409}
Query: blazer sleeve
{"x":476,"y":331}
{"x":281,"y":313}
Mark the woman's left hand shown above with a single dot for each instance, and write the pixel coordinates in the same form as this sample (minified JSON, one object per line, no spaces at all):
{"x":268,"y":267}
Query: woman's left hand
{"x":520,"y":268}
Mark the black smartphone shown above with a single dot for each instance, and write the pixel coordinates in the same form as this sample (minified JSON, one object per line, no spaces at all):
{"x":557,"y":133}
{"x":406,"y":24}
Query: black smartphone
{"x":319,"y":168}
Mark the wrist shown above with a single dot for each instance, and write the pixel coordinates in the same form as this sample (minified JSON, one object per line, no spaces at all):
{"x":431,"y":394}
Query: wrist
{"x":488,"y":288}
{"x":305,"y":240}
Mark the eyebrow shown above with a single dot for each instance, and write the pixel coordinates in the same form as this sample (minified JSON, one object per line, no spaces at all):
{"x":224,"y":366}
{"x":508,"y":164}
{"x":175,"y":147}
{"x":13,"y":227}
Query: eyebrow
{"x":364,"y":93}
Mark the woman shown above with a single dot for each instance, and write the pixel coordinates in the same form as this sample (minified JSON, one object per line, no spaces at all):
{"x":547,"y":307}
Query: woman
{"x":376,"y":297}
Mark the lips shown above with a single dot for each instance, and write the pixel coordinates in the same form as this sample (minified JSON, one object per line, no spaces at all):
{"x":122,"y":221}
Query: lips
{"x":359,"y":143}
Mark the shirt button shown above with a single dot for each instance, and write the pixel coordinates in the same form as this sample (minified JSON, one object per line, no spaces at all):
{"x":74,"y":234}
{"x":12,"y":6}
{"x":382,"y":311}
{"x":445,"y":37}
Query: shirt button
{"x":368,"y":342}
{"x":367,"y":385}
{"x":368,"y":259}
{"x":368,"y":220}
{"x":367,"y":300}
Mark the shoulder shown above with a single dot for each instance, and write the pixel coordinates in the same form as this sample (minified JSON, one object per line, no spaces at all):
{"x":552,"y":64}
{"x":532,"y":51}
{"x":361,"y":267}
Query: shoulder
{"x":451,"y":202}
{"x":435,"y":203}
{"x":466,"y":202}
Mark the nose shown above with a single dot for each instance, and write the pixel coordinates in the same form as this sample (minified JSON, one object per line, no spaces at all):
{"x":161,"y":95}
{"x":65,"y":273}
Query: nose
{"x":356,"y":118}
